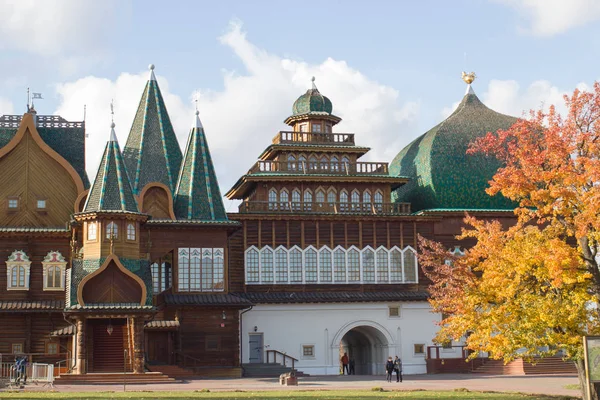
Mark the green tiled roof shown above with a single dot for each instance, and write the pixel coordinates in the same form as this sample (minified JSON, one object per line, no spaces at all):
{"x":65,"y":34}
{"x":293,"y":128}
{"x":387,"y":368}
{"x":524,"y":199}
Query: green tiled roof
{"x":152,"y":153}
{"x":312,"y":103}
{"x":198,"y":196}
{"x":82,"y":268}
{"x":111,"y":190}
{"x":442,"y":175}
{"x":67,"y":140}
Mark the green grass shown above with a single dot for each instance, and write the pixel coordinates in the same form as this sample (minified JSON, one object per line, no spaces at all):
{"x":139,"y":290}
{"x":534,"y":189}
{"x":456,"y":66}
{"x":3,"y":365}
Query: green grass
{"x":288,"y":395}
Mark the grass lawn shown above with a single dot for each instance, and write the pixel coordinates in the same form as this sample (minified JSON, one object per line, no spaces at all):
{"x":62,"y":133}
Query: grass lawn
{"x":288,"y":395}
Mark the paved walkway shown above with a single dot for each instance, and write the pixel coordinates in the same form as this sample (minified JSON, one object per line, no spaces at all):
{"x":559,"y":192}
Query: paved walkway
{"x":546,"y":384}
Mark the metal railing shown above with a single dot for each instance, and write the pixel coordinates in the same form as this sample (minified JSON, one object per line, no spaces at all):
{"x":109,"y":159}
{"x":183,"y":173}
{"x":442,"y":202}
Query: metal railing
{"x":287,"y":137}
{"x":324,"y":208}
{"x":284,"y":357}
{"x":317,"y":167}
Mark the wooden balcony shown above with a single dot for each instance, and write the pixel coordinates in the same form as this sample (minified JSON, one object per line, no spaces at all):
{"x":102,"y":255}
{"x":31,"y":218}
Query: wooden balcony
{"x":291,"y":207}
{"x":316,"y":167}
{"x":288,"y":137}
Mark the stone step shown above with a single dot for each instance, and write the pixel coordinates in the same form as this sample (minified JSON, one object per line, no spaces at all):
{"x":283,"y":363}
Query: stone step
{"x":262,"y":370}
{"x":113,"y":378}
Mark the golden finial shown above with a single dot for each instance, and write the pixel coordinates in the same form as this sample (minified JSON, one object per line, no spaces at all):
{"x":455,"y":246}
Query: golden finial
{"x":468,"y":78}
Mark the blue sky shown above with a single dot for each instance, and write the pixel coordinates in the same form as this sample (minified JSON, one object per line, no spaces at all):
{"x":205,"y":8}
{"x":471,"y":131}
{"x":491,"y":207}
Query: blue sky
{"x":391,"y":68}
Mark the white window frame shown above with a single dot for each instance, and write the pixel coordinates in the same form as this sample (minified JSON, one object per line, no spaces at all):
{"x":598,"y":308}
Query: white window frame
{"x":311,"y":346}
{"x":300,"y":276}
{"x":197,"y":280}
{"x":131,"y":232}
{"x":112,"y":231}
{"x":92,"y":231}
{"x":54,"y":259}
{"x":18,"y":259}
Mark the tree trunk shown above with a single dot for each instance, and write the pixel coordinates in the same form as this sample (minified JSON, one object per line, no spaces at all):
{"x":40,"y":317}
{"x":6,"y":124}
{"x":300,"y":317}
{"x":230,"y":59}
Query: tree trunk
{"x":583,"y":384}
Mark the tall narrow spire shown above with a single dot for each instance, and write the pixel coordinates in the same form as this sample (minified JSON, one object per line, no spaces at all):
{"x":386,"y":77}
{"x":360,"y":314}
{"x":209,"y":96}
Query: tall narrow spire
{"x":111,"y":190}
{"x":198,"y":196}
{"x":152,"y":153}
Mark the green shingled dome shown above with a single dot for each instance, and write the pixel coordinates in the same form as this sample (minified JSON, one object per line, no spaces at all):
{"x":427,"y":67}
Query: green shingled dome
{"x":312,"y":102}
{"x":442,"y":174}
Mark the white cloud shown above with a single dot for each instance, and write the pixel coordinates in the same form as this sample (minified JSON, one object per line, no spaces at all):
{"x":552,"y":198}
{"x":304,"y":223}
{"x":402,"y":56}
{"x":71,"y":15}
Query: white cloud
{"x":6,"y":107}
{"x":241,"y":119}
{"x":550,"y":17}
{"x":51,"y":27}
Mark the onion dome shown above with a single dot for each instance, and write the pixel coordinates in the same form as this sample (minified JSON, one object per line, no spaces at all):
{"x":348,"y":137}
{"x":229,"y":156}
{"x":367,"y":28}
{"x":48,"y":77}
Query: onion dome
{"x":443,"y":176}
{"x":312,"y":103}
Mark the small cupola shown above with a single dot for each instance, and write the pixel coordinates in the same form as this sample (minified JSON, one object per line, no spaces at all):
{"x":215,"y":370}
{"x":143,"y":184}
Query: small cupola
{"x":312,"y":106}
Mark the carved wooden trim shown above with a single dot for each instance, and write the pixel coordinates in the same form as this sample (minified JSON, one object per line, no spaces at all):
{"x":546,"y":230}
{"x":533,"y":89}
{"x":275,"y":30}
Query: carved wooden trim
{"x":150,"y":185}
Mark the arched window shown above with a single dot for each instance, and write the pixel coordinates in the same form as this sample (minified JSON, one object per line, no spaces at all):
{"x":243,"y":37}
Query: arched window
{"x":339,"y":266}
{"x":345,"y":164}
{"x":266,"y":264}
{"x":355,"y":200}
{"x":272,"y":199}
{"x":324,"y":163}
{"x":331,"y":196}
{"x":325,"y":265}
{"x":367,"y":200}
{"x":382,"y":266}
{"x":17,"y":270}
{"x":296,"y":205}
{"x":302,"y":162}
{"x":53,"y":266}
{"x":130,"y":231}
{"x":368,"y":264}
{"x":112,"y":230}
{"x":312,"y":162}
{"x":308,"y":198}
{"x":344,"y":200}
{"x":252,"y":266}
{"x":410,"y":265}
{"x":295,"y":265}
{"x":320,"y":197}
{"x":353,"y":265}
{"x":335,"y":164}
{"x":292,"y":166}
{"x":281,"y":266}
{"x":92,"y":231}
{"x":396,"y":265}
{"x":378,"y":200}
{"x":284,"y":199}
{"x":310,"y":265}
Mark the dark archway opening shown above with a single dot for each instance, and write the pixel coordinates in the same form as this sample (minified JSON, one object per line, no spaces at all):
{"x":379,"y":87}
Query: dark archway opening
{"x":368,"y":347}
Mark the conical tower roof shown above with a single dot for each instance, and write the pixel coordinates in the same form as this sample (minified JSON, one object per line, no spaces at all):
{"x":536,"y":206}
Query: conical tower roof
{"x":152,"y":153}
{"x":198,"y":196}
{"x":111,"y":190}
{"x":443,"y":175}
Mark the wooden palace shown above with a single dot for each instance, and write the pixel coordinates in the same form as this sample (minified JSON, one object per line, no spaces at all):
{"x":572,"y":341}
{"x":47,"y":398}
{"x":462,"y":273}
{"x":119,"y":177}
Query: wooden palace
{"x":143,"y":270}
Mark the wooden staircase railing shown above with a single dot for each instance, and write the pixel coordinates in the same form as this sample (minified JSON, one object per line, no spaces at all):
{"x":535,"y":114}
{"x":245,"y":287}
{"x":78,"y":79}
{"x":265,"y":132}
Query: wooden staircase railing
{"x":284,"y":356}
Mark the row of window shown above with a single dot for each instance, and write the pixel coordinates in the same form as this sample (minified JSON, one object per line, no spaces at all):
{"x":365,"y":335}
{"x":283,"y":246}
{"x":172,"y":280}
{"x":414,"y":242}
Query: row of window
{"x":51,"y":348}
{"x":304,"y":200}
{"x":316,"y":127}
{"x":111,"y":231}
{"x":201,"y":269}
{"x":18,"y":270}
{"x":338,"y":266}
{"x":308,"y":350}
{"x":13,"y":203}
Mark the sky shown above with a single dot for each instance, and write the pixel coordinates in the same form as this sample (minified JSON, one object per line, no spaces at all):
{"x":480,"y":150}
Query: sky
{"x":391,"y":68}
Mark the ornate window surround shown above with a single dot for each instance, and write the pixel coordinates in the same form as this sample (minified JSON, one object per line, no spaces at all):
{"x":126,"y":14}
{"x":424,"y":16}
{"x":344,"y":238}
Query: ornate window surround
{"x":52,"y":261}
{"x":268,"y":266}
{"x":17,"y":260}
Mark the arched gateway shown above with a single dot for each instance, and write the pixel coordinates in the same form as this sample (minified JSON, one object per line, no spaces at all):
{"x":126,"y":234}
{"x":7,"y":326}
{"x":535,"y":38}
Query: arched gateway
{"x":367,"y":343}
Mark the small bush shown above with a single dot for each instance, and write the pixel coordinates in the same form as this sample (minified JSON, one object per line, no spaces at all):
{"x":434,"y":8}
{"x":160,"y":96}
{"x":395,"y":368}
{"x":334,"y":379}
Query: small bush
{"x":461,"y":390}
{"x":377,"y":389}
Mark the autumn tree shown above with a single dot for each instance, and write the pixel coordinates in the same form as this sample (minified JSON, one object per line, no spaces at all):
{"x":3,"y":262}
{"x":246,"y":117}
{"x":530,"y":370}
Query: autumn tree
{"x":537,"y":283}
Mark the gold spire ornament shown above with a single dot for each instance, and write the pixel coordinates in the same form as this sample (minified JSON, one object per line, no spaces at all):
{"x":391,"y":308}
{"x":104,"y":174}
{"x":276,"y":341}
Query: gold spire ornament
{"x":468,"y":78}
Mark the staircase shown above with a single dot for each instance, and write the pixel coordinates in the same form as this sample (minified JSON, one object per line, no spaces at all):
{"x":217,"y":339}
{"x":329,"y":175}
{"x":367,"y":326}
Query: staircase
{"x":113,"y":378}
{"x":173,"y":371}
{"x":543,"y":366}
{"x":264,"y":370}
{"x":108,"y":353}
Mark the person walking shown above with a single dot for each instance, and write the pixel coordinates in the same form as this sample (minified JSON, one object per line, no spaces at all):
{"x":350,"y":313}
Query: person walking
{"x":389,"y":368}
{"x":398,"y":369}
{"x":345,"y":369}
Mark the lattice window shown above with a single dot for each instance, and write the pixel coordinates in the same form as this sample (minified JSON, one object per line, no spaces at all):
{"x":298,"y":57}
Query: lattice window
{"x":310,"y":265}
{"x":291,"y":162}
{"x":313,"y":162}
{"x":368,"y":264}
{"x":331,"y":196}
{"x":344,"y":200}
{"x":308,"y":198}
{"x":295,"y":265}
{"x":355,"y":200}
{"x":320,"y":196}
{"x":296,"y":200}
{"x":325,"y":265}
{"x":324,"y":163}
{"x":252,"y":266}
{"x":378,"y":201}
{"x":367,"y":200}
{"x":281,"y":265}
{"x":335,"y":163}
{"x":396,"y":265}
{"x":284,"y":198}
{"x":92,"y":231}
{"x":266,"y":263}
{"x":201,"y":269}
{"x":410,"y":265}
{"x":161,"y":274}
{"x":353,"y":265}
{"x":272,"y":199}
{"x":382,"y":266}
{"x":339,"y":265}
{"x":112,"y":230}
{"x":130,"y":231}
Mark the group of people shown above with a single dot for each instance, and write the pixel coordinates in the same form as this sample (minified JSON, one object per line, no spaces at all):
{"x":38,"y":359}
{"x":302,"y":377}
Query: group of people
{"x":394,"y":365}
{"x":20,"y":370}
{"x":390,"y":366}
